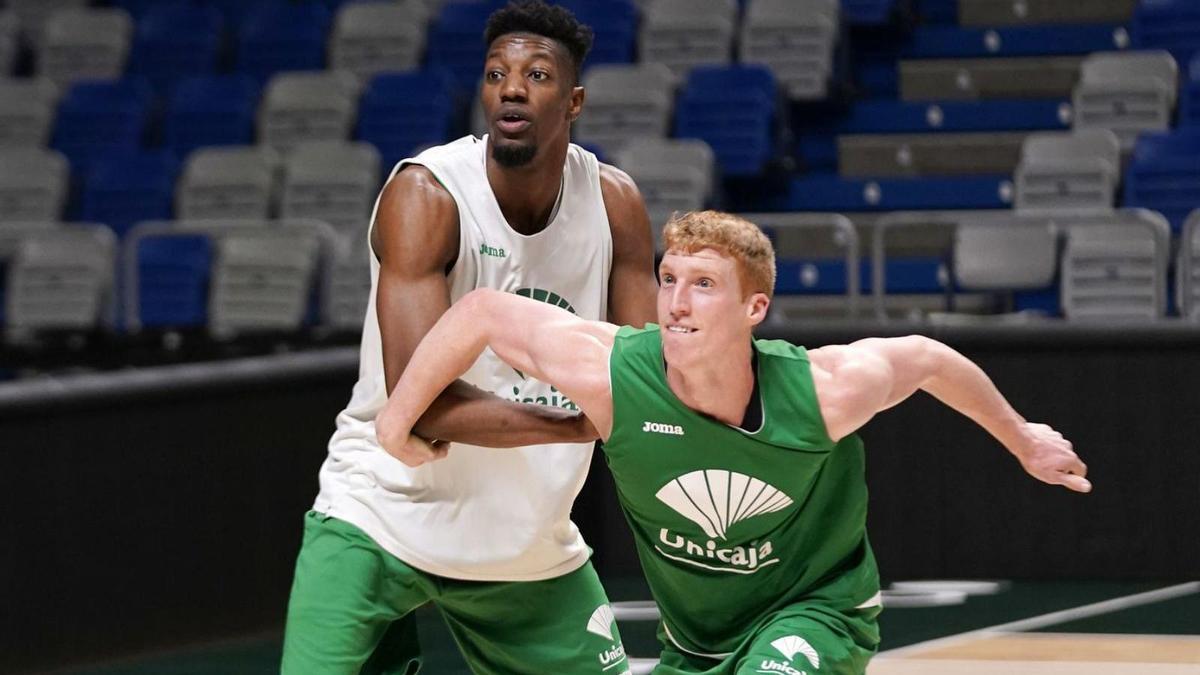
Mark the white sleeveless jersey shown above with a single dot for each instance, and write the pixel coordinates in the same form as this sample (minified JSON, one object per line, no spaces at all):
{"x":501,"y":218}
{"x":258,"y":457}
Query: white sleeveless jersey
{"x":482,"y":513}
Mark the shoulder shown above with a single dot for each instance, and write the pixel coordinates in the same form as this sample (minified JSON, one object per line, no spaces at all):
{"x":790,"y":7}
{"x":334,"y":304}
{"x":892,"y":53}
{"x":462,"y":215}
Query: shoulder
{"x":617,"y":186}
{"x":414,"y":206}
{"x":842,"y":370}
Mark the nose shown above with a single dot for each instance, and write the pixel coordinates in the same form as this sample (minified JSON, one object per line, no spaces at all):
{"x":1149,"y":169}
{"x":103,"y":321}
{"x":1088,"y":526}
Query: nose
{"x":513,"y":88}
{"x":679,"y":304}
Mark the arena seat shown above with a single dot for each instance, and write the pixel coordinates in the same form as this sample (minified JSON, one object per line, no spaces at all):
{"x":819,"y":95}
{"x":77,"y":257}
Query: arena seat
{"x":33,"y":184}
{"x":210,"y":110}
{"x":122,"y":190}
{"x":100,"y":118}
{"x":27,"y":109}
{"x":228,"y":183}
{"x":1078,"y":170}
{"x":374,"y":37}
{"x":279,"y":35}
{"x":732,"y":108}
{"x":84,"y":44}
{"x":795,"y":39}
{"x":174,"y":41}
{"x":173,"y":275}
{"x":401,"y":112}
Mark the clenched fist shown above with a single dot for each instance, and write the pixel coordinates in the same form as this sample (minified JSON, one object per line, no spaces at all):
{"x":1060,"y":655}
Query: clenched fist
{"x":1050,"y":458}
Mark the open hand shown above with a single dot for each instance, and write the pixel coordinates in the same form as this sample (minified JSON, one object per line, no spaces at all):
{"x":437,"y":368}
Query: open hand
{"x":1050,"y":458}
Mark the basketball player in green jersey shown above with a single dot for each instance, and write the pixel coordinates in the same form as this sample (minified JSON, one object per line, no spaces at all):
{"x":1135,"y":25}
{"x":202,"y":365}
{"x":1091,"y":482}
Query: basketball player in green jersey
{"x":735,"y":460}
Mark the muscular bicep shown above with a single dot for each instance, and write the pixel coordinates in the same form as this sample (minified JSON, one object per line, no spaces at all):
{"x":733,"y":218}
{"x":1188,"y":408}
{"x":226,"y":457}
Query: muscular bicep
{"x":632,"y":284}
{"x":855,"y":382}
{"x":415,"y":238}
{"x":552,"y":345}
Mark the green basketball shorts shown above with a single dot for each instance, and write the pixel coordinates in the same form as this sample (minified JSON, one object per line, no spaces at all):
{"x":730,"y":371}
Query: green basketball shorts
{"x":351,"y":610}
{"x":801,"y":639}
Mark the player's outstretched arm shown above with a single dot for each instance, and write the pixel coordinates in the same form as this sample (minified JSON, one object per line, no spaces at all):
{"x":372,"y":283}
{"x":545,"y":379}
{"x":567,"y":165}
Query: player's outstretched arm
{"x":416,"y":240}
{"x":856,"y":381}
{"x":546,"y":342}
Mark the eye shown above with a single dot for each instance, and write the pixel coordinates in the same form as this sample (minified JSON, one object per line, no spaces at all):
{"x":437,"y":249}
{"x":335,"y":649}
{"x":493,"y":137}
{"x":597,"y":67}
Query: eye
{"x":705,"y":283}
{"x":668,"y":279}
{"x":539,"y":75}
{"x":494,"y":76}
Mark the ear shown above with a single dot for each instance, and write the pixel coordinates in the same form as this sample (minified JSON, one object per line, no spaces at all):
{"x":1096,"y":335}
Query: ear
{"x":756,"y":309}
{"x":576,"y":106}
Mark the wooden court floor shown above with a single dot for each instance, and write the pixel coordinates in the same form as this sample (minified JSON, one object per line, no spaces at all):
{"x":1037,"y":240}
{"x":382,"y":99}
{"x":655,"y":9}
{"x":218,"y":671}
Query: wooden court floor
{"x":1028,"y":629}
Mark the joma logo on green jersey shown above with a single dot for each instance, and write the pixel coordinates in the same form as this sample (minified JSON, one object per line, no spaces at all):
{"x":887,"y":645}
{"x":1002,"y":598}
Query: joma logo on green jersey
{"x":484,"y":249}
{"x":655,"y":427}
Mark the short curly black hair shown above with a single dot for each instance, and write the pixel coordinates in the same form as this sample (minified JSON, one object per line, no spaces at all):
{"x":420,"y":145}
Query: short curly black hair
{"x":539,"y":18}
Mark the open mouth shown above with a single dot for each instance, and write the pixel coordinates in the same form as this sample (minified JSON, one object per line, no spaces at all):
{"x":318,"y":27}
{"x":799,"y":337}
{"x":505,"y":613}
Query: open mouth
{"x":512,"y":123}
{"x":682,"y":330}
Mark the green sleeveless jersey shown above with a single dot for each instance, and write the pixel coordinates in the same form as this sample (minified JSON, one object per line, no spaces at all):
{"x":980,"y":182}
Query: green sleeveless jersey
{"x":730,"y":524}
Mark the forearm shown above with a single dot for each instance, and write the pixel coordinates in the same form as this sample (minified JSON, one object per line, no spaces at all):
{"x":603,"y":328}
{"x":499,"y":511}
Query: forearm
{"x":466,"y":414}
{"x":962,"y":385}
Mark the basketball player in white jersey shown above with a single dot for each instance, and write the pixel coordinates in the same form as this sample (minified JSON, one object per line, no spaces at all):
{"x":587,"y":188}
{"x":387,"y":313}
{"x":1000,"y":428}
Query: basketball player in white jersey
{"x":484,"y":535}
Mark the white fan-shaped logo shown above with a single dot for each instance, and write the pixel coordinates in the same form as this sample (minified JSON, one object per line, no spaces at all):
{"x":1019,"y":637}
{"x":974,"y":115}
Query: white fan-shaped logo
{"x":790,"y":645}
{"x":714,"y":499}
{"x":601,"y":622}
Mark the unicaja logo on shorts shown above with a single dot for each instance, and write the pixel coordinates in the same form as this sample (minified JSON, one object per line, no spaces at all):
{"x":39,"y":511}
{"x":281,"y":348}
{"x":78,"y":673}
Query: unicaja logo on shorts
{"x":601,"y":624}
{"x":716,"y":499}
{"x":790,"y":646}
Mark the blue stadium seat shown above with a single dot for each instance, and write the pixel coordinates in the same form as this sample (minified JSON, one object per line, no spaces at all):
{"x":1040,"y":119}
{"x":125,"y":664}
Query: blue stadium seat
{"x":952,"y":42}
{"x":456,"y":40}
{"x":175,"y":40}
{"x":173,"y":275}
{"x":1164,"y":174}
{"x":615,"y":23}
{"x":124,"y":189}
{"x":1173,"y":25}
{"x":886,"y":117}
{"x":235,"y":11}
{"x":825,"y":276}
{"x":732,"y":108}
{"x":938,"y":11}
{"x":868,"y":12}
{"x":1189,"y":111}
{"x":99,"y":118}
{"x":401,"y":112}
{"x":137,"y":8}
{"x":212,"y":110}
{"x":282,"y":35}
{"x":827,"y":192}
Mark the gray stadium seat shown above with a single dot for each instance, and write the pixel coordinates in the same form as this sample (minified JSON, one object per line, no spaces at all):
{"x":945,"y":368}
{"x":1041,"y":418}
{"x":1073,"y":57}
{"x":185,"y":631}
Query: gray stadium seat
{"x":1115,"y":267}
{"x":1187,"y":269}
{"x":13,"y":232}
{"x":993,"y":13}
{"x":935,"y":154}
{"x":1076,"y":170}
{"x":85,"y":44}
{"x":235,"y":182}
{"x":347,"y":287}
{"x":1005,"y":255}
{"x":625,"y":102}
{"x":372,"y":37}
{"x":33,"y":184}
{"x":685,"y":33}
{"x":262,"y":281}
{"x":672,"y":174}
{"x":1127,"y":92}
{"x":9,"y":35}
{"x":795,"y":38}
{"x":990,"y":78}
{"x":27,"y":109}
{"x":34,"y":13}
{"x":333,"y":181}
{"x":61,"y":279}
{"x":307,"y":106}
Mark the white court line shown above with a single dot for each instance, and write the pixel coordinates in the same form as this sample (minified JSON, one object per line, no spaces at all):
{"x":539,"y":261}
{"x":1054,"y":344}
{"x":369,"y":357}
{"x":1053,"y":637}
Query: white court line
{"x":1062,"y":616}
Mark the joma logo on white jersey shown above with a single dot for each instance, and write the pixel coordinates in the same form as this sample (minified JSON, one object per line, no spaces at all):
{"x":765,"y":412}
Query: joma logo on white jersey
{"x":655,"y":427}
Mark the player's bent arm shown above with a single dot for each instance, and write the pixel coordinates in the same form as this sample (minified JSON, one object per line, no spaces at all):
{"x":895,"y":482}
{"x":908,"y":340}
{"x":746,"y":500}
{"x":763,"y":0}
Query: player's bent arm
{"x":416,"y":239}
{"x":632,"y":286}
{"x":856,"y":381}
{"x":544,"y":341}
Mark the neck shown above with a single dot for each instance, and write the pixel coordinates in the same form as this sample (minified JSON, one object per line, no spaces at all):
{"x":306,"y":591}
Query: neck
{"x":527,"y":194}
{"x":719,"y":388}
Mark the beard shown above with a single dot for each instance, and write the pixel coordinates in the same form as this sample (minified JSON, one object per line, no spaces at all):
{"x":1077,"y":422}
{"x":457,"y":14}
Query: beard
{"x":513,"y":156}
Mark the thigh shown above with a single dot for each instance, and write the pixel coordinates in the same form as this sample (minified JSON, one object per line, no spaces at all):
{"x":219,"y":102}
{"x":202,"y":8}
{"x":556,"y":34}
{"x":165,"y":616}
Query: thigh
{"x":350,"y":604}
{"x":562,"y":626}
{"x":811,"y":640}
